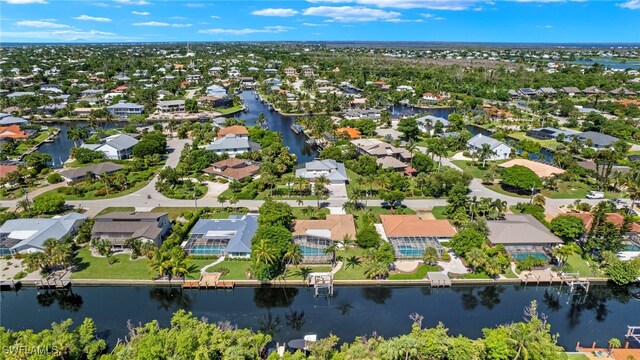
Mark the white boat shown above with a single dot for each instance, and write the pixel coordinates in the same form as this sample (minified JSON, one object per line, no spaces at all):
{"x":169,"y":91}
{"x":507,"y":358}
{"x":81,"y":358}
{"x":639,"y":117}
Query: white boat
{"x":303,"y":343}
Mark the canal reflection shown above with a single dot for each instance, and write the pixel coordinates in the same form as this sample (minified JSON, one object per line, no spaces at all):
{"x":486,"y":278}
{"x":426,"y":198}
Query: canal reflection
{"x":270,"y":297}
{"x":66,"y":299}
{"x":171,"y":298}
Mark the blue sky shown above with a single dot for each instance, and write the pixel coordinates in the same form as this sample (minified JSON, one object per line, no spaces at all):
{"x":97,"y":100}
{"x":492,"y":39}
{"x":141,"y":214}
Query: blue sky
{"x":238,"y":20}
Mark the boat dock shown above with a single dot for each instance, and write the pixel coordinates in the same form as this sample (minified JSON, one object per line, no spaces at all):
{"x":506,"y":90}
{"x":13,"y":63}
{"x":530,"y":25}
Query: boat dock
{"x":10,"y":285}
{"x":209,"y":281}
{"x":52,"y":284}
{"x":439,"y":279}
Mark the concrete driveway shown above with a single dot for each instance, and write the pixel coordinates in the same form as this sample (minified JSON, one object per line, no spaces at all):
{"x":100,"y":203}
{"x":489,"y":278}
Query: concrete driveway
{"x":337,"y":191}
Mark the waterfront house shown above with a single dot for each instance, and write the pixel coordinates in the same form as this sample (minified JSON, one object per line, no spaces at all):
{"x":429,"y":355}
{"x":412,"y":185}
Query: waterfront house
{"x":233,"y":169}
{"x":522,"y":235}
{"x":222,"y":237}
{"x":116,"y":147}
{"x":314,"y":236}
{"x":597,"y":140}
{"x":216,"y":90}
{"x":215,"y":101}
{"x":118,"y":226}
{"x":8,"y":120}
{"x":344,"y":133}
{"x":124,"y":109}
{"x":410,"y":235}
{"x":12,"y":132}
{"x":548,"y":133}
{"x":352,"y":114}
{"x":380,"y":149}
{"x":232,"y":145}
{"x":237,"y":130}
{"x":427,"y":123}
{"x":171,"y":106}
{"x":502,"y":151}
{"x":29,"y":235}
{"x":334,"y":171}
{"x":75,"y":174}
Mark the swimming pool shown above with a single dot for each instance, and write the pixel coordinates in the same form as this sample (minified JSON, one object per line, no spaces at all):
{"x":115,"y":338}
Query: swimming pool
{"x":632,"y":247}
{"x":536,"y":254}
{"x":312,"y":251}
{"x":207,"y":250}
{"x":409,"y":251}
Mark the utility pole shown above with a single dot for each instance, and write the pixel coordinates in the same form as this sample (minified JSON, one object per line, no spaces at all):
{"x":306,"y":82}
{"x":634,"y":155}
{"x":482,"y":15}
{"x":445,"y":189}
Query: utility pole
{"x":195,"y":199}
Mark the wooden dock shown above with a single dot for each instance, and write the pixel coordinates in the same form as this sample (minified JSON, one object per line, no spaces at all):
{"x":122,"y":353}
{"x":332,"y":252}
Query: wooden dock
{"x":209,"y":281}
{"x":10,"y":285}
{"x":53,"y":284}
{"x":439,"y":279}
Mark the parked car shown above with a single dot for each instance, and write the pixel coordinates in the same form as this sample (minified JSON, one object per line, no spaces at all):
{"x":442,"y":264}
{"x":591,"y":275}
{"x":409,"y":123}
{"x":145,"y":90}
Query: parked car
{"x":595,"y":195}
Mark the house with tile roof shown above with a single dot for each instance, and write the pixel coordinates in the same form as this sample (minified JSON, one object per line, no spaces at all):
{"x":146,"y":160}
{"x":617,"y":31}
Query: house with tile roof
{"x":410,"y":235}
{"x":314,"y":236}
{"x":233,"y":169}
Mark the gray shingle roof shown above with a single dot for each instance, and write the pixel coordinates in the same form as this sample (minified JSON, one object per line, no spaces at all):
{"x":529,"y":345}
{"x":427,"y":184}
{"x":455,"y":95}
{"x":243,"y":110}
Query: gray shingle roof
{"x":231,"y":142}
{"x":32,"y":233}
{"x":520,"y":229}
{"x":120,"y":141}
{"x":478,"y":140}
{"x":98,"y":169}
{"x":598,"y":139}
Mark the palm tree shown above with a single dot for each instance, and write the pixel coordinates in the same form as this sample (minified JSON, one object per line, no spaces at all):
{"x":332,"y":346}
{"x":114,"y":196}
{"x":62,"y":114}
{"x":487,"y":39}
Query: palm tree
{"x":263,"y":253}
{"x":485,"y":152}
{"x":375,"y":269}
{"x":411,"y":146}
{"x":614,"y":343}
{"x":347,"y":241}
{"x":288,"y":179}
{"x":320,"y":191}
{"x":492,"y":267}
{"x":300,"y":183}
{"x":160,"y":262}
{"x":430,"y":255}
{"x":352,"y":261}
{"x":222,"y":199}
{"x":331,"y":250}
{"x":475,"y":258}
{"x":293,"y":255}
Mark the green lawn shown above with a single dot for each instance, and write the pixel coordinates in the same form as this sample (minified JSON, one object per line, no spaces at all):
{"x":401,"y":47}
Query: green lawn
{"x":92,"y":194}
{"x":26,"y":145}
{"x":480,"y":275}
{"x":173,"y":212}
{"x":299,"y":213}
{"x":237,"y":269}
{"x":498,"y":188}
{"x":352,"y":273}
{"x":91,"y":267}
{"x":294,"y":273}
{"x":565,"y":356}
{"x":578,"y":264}
{"x":476,"y":171}
{"x":509,"y":274}
{"x":438,"y":212}
{"x":420,"y":273}
{"x":116,"y":208}
{"x":181,"y":191}
{"x":550,"y":144}
{"x":230,"y":110}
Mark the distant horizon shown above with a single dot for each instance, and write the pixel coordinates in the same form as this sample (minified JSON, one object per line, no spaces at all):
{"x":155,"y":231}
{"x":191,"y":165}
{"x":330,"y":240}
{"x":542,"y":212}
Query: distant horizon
{"x":466,"y":21}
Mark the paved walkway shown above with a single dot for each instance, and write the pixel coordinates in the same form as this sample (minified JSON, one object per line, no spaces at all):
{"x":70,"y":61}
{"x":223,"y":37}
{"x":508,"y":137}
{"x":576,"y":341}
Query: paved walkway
{"x":334,"y":210}
{"x":454,"y":266}
{"x":204,"y":268}
{"x":407,"y":266}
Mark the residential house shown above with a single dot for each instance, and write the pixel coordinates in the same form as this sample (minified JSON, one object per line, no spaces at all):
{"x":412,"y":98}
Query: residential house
{"x":29,"y":235}
{"x":410,"y":235}
{"x":546,"y":91}
{"x":427,"y":123}
{"x":597,"y":140}
{"x":631,"y":237}
{"x":334,"y":171}
{"x":5,"y":170}
{"x":431,"y":98}
{"x":362,"y":113}
{"x":75,"y":174}
{"x":346,"y":133}
{"x":117,"y":147}
{"x":171,"y":106}
{"x":501,"y":150}
{"x":387,"y":155}
{"x":12,"y":120}
{"x":12,"y":132}
{"x":222,"y":237}
{"x":216,"y":90}
{"x":193,"y":78}
{"x":522,"y":235}
{"x":119,"y":226}
{"x":308,"y":71}
{"x":215,"y":70}
{"x":290,"y":71}
{"x":315,"y":236}
{"x":527,"y":92}
{"x":622,"y":91}
{"x":571,"y":91}
{"x":215,"y":101}
{"x":125,"y":109}
{"x":232,"y":145}
{"x":233,"y":169}
{"x":592,"y":90}
{"x":549,"y":133}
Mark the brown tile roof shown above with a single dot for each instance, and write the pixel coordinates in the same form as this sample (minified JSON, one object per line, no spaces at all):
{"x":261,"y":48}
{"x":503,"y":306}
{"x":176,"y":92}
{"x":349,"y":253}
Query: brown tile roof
{"x":352,"y":132}
{"x":235,"y":130}
{"x":615,"y":218}
{"x":338,"y":225}
{"x":542,"y":170}
{"x":12,"y":132}
{"x":412,"y":225}
{"x":233,"y":168}
{"x":7,"y":169}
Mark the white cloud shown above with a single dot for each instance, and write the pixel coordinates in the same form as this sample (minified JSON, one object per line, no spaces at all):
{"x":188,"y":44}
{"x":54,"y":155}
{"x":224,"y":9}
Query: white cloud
{"x":313,"y":24}
{"x":404,"y":20}
{"x":351,"y":13}
{"x":247,"y":31}
{"x":195,"y":5}
{"x":275,"y":12}
{"x":133,"y":2}
{"x":92,"y":18}
{"x":215,"y":17}
{"x":161,"y":24}
{"x":178,"y":18}
{"x":62,"y":35}
{"x":631,"y":4}
{"x":141,"y":13}
{"x":42,"y":24}
{"x":432,"y":17}
{"x":545,"y":26}
{"x":409,"y":4}
{"x":23,"y":2}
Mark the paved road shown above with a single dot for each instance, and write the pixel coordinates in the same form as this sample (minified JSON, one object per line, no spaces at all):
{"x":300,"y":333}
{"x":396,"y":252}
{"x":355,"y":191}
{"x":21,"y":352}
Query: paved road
{"x":147,"y":197}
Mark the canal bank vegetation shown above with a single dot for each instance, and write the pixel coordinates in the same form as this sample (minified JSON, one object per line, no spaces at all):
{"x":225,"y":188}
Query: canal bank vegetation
{"x":189,"y":337}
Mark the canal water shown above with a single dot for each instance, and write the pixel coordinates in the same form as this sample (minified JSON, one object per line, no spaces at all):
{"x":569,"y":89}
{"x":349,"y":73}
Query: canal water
{"x":290,"y":313}
{"x":279,"y":123}
{"x":61,"y":145}
{"x":401,"y":110}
